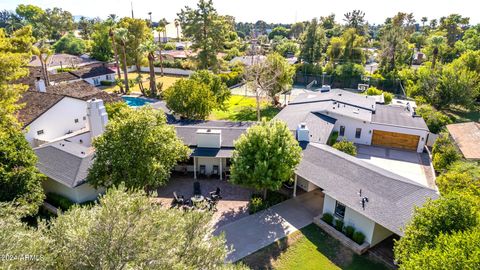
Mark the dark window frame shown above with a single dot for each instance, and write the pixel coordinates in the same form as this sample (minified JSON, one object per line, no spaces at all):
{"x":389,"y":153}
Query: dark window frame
{"x":40,"y":132}
{"x":358,"y":133}
{"x":341,"y":131}
{"x":339,"y":212}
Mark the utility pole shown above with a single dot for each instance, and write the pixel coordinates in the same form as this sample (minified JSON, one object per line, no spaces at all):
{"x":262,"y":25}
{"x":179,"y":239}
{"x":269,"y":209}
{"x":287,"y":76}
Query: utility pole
{"x":131,"y":6}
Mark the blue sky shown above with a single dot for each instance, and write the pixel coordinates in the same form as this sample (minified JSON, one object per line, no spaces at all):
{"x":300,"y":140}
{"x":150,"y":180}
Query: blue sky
{"x":268,"y":10}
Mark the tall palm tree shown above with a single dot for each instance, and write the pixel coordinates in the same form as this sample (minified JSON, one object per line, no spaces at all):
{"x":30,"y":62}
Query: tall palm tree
{"x":111,"y":22}
{"x":149,"y":47}
{"x":160,"y":29}
{"x":43,"y":52}
{"x":177,"y":24}
{"x":436,"y":42}
{"x":121,"y":34}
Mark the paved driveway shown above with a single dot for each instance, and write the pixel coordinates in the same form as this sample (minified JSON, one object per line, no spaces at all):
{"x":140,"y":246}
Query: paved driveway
{"x":409,"y":164}
{"x":259,"y":230}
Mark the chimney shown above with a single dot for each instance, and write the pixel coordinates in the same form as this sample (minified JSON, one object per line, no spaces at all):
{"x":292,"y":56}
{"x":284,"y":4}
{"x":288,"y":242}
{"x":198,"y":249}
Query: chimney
{"x":209,"y":138}
{"x":40,"y":85}
{"x":97,"y":117}
{"x":303,"y":134}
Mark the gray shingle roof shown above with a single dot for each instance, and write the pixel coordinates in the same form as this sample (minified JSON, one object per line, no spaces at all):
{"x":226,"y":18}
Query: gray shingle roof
{"x":397,"y":116}
{"x":345,"y":97}
{"x":230,"y":130}
{"x":69,"y":167}
{"x":392,"y":198}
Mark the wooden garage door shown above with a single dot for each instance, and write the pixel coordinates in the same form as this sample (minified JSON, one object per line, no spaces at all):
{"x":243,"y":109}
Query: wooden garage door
{"x":395,"y":140}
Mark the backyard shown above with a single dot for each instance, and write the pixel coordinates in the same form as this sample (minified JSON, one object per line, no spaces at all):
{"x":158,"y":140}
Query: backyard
{"x":462,"y":115}
{"x":243,"y":108}
{"x":166,"y":80}
{"x":309,"y":248}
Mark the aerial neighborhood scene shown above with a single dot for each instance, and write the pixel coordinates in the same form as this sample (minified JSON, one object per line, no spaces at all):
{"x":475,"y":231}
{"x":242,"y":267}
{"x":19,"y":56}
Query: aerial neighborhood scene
{"x":212,"y":134}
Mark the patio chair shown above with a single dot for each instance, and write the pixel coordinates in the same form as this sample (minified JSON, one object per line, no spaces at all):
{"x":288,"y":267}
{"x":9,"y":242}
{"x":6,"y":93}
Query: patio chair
{"x":215,"y":170}
{"x":215,"y":195}
{"x":179,"y":200}
{"x":212,"y":204}
{"x":196,"y":189}
{"x":203,"y":170}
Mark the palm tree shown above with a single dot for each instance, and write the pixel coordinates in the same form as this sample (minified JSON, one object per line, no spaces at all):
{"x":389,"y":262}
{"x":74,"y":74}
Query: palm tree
{"x":177,"y":24}
{"x":43,"y":52}
{"x":436,"y":42}
{"x":424,"y":20}
{"x":111,"y":22}
{"x":159,"y":30}
{"x":121,"y":34}
{"x":149,"y":47}
{"x":163,"y":24}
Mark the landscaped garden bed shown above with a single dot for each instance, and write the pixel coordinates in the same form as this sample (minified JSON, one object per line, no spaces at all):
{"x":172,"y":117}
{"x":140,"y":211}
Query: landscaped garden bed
{"x":257,"y":203}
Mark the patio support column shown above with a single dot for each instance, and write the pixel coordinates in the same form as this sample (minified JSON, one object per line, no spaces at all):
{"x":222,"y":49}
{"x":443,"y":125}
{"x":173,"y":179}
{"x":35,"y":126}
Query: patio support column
{"x":295,"y":187}
{"x":194,"y":167}
{"x":221,"y":169}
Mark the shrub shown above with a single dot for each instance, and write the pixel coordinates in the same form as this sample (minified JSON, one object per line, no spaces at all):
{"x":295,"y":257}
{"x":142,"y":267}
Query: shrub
{"x":106,"y":83}
{"x":333,"y":138}
{"x":346,"y":147}
{"x":339,"y":225}
{"x":256,"y":204}
{"x":65,"y":69}
{"x":434,"y":119}
{"x":387,"y":97}
{"x":358,"y":237}
{"x":349,"y":230}
{"x":444,"y":153}
{"x":59,"y":201}
{"x":373,"y":91}
{"x":169,"y":46}
{"x":328,"y":218}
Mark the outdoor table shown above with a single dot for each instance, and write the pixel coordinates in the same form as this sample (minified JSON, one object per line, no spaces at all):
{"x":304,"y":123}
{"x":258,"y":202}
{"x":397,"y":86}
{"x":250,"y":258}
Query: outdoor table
{"x":197,"y":199}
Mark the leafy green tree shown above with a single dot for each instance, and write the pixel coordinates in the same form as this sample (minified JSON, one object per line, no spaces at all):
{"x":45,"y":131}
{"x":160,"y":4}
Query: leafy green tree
{"x":86,"y":27}
{"x":470,"y":39}
{"x":462,"y":177}
{"x":20,"y":181}
{"x":190,"y":98}
{"x":346,"y":147}
{"x":57,"y":22}
{"x":287,"y":47}
{"x":208,"y":31}
{"x":215,"y":84}
{"x":138,"y":32}
{"x":152,"y":146}
{"x":313,"y":42}
{"x":297,"y":29}
{"x":395,"y":50}
{"x":444,"y":153}
{"x":454,"y":25}
{"x":445,"y":216}
{"x":102,"y":48}
{"x":70,"y":44}
{"x":34,"y":16}
{"x":356,"y":20}
{"x":265,"y":156}
{"x":124,"y":230}
{"x":279,"y":31}
{"x":458,"y":250}
{"x":436,"y":43}
{"x":435,"y":120}
{"x":116,"y":109}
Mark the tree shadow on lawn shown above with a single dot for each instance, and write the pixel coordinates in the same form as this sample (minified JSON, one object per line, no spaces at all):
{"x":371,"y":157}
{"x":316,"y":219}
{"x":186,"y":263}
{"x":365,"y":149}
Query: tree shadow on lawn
{"x":249,"y":113}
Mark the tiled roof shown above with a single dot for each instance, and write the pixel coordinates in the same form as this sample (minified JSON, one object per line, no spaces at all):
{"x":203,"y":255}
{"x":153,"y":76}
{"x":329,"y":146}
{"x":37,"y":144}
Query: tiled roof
{"x":391,"y":198}
{"x":63,"y":59}
{"x":36,"y":104}
{"x":81,"y":90}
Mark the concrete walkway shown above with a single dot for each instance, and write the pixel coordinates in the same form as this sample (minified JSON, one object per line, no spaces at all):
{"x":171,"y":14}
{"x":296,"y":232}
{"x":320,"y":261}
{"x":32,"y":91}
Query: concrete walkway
{"x":259,"y":230}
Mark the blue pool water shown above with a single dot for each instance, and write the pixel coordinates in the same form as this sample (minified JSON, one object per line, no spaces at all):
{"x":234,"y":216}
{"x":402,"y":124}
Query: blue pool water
{"x":136,"y":101}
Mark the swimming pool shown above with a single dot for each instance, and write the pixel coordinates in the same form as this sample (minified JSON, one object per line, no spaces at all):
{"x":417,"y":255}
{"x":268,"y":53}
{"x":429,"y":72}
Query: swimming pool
{"x":136,"y":101}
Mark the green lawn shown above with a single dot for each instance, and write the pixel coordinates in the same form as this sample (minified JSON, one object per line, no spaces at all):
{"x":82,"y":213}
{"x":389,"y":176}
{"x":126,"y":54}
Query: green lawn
{"x":310,"y":248}
{"x":241,"y":108}
{"x":167,"y":82}
{"x":460,"y":115}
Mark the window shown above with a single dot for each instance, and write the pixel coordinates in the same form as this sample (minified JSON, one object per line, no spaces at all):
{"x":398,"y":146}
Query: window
{"x":342,"y":131}
{"x":358,"y":133}
{"x":339,"y":209}
{"x":76,"y":120}
{"x":109,"y":77}
{"x":84,"y":118}
{"x":95,"y":81}
{"x":40,"y":132}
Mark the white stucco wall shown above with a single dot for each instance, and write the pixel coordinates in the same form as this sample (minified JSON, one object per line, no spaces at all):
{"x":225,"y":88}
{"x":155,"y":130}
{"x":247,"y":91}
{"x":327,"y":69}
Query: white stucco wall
{"x":305,"y":185}
{"x":78,"y":194}
{"x":108,"y":77}
{"x":59,"y":120}
{"x":209,"y":163}
{"x":374,"y":233}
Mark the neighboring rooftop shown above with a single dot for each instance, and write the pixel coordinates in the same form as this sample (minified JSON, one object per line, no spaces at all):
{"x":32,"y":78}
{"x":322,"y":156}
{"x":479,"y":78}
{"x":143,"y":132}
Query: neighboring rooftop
{"x":248,"y":60}
{"x":92,"y":70}
{"x":467,"y":138}
{"x":391,"y":198}
{"x":63,"y":60}
{"x":81,"y":90}
{"x":65,"y":162}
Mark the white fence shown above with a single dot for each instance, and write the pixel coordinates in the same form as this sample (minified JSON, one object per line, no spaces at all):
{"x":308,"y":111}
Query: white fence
{"x":432,"y":137}
{"x":168,"y":71}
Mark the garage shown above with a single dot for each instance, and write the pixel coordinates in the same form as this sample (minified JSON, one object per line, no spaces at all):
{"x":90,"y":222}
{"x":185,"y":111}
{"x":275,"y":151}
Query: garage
{"x":395,"y":140}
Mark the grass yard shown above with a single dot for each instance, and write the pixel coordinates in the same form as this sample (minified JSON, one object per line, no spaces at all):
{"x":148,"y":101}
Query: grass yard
{"x":241,"y":108}
{"x":167,"y":82}
{"x":461,"y":115}
{"x":310,"y":248}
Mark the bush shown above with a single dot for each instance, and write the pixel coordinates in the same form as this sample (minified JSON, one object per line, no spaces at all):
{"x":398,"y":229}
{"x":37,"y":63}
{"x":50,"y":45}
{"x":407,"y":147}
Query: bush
{"x":346,"y":147}
{"x":106,"y":83}
{"x":435,"y":120}
{"x":373,"y":91}
{"x":349,"y":230}
{"x":333,"y":138}
{"x":65,"y":69}
{"x":256,"y":204}
{"x":169,"y":46}
{"x":328,"y":218}
{"x":59,"y":201}
{"x":444,"y":153}
{"x":70,"y":44}
{"x":358,"y":237}
{"x":339,"y":225}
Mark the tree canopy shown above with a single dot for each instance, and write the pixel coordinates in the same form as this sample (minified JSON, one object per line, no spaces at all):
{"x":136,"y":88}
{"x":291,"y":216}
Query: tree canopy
{"x":265,"y":156}
{"x":152,"y":146}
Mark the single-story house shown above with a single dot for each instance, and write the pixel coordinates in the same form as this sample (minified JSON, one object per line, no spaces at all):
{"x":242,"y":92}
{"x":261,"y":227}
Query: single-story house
{"x":467,"y":138}
{"x":248,"y":60}
{"x":374,"y":201}
{"x":63,"y":60}
{"x":356,"y":118}
{"x":94,"y":74}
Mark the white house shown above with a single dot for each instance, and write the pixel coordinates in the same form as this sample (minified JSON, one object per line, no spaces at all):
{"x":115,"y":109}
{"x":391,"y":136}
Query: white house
{"x":66,"y":160}
{"x":356,"y":118}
